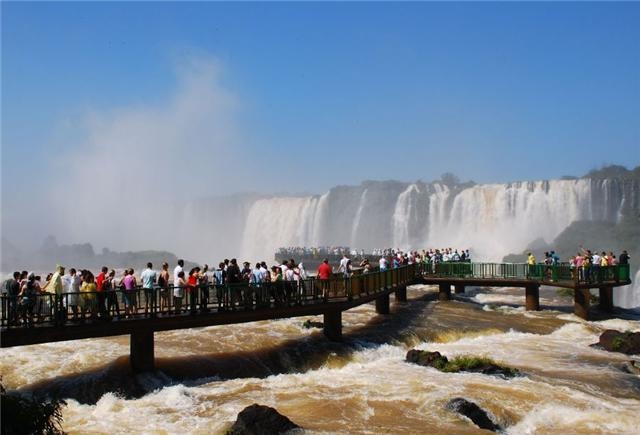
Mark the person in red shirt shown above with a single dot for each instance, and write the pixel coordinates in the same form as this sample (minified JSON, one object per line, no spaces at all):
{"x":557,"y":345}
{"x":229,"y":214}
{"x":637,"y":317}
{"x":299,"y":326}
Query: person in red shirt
{"x":192,"y":283}
{"x":102,"y":276}
{"x":324,"y":273}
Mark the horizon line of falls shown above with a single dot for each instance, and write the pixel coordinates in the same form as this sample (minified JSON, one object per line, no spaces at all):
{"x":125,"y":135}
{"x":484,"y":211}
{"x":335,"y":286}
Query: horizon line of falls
{"x":491,"y":220}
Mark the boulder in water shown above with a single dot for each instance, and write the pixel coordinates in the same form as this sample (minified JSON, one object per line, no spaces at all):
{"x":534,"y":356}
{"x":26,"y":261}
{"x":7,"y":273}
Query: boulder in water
{"x":473,"y":412}
{"x":427,"y":359}
{"x":462,"y":363}
{"x":311,"y":324}
{"x":616,"y":341}
{"x":632,"y":367}
{"x":262,"y":420}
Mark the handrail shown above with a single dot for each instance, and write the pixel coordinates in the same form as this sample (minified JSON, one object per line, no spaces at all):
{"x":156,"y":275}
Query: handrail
{"x":538,"y":272}
{"x":77,"y":307}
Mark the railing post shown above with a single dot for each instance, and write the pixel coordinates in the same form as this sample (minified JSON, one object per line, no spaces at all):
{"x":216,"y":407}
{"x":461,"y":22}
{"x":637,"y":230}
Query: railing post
{"x":142,"y":351}
{"x":581,"y":302}
{"x":333,"y":325}
{"x":382,"y":304}
{"x":444,"y":292}
{"x":606,"y":299}
{"x":532,"y":295}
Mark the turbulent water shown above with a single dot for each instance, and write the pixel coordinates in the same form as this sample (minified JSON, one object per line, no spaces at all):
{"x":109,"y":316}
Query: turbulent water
{"x":207,"y":376}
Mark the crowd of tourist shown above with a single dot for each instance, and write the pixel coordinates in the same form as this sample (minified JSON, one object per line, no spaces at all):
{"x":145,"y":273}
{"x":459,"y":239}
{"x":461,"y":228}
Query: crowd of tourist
{"x":316,"y":251}
{"x":585,"y":266}
{"x":79,"y":294}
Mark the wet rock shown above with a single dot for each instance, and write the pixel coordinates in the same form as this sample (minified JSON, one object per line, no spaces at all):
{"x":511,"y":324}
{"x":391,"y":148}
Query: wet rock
{"x":426,"y":358}
{"x":473,"y":412}
{"x":494,"y":370}
{"x":632,"y":367}
{"x":463,"y":363}
{"x":310,"y":324}
{"x":616,"y":341}
{"x":263,"y":420}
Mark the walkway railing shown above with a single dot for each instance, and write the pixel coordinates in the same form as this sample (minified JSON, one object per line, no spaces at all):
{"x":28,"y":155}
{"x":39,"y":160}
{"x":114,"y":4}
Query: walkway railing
{"x":71,"y":308}
{"x":537,"y":272}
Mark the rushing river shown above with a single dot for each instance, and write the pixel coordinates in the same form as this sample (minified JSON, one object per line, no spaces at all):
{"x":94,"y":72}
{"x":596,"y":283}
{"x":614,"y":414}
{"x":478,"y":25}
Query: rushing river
{"x":207,"y":376}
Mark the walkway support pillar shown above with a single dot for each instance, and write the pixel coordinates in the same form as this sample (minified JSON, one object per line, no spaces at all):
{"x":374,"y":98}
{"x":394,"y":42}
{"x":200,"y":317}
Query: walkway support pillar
{"x":581,"y":302}
{"x":333,"y":325}
{"x":606,"y":299}
{"x":459,"y":289}
{"x":444,"y":292}
{"x":382,"y":304}
{"x":141,"y":351}
{"x":532,"y":295}
{"x":401,"y":294}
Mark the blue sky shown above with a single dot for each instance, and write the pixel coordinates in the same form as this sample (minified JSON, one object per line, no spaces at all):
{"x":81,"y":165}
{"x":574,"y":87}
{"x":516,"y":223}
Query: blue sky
{"x":300,"y":97}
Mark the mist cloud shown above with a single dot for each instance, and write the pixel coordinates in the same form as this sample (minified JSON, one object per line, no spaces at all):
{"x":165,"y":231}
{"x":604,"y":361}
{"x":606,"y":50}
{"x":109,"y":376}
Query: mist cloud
{"x":123,"y":185}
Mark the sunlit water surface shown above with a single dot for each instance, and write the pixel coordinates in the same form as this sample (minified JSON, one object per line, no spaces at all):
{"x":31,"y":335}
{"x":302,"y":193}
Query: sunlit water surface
{"x":207,"y":376}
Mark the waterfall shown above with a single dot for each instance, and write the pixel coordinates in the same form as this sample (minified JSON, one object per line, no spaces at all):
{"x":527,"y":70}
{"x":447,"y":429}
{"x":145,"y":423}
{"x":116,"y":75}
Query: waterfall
{"x":356,"y":221}
{"x":492,"y":220}
{"x":402,"y":217}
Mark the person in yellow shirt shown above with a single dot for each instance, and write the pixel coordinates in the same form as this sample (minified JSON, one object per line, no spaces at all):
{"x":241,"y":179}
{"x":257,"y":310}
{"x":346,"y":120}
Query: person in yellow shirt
{"x":531,"y":259}
{"x":88,"y":294}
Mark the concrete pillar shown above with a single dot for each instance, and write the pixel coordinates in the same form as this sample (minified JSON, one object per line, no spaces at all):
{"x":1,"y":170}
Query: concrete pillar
{"x":458,"y":288}
{"x":141,"y":351}
{"x":333,"y":325}
{"x":444,"y":292}
{"x":532,"y":295}
{"x":401,"y":294}
{"x":606,"y":299}
{"x":581,"y":303}
{"x":382,"y":304}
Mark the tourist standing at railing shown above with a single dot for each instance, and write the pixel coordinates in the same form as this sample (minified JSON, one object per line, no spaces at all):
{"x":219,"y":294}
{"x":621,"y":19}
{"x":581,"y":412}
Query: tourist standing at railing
{"x":203,"y":282}
{"x":301,"y":277}
{"x":163,"y":284}
{"x":101,"y":296}
{"x":234,"y":277}
{"x":324,"y":274}
{"x":129,"y":294}
{"x":191,"y":288}
{"x":12,"y":288}
{"x":624,"y":258}
{"x":73,"y":292}
{"x":246,"y":292}
{"x":384,"y":264}
{"x":179,"y":268}
{"x":113,"y":306}
{"x":219,"y":279}
{"x":586,"y":268}
{"x":27,"y":298}
{"x":148,"y":278}
{"x":88,"y":295}
{"x":56,"y":287}
{"x":595,"y":266}
{"x":178,"y":291}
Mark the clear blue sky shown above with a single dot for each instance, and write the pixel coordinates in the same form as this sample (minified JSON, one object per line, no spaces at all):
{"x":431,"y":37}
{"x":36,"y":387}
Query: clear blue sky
{"x":320,"y":94}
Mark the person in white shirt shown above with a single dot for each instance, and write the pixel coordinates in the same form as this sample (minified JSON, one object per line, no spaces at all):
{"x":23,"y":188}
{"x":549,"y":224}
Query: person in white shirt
{"x":179,"y":268}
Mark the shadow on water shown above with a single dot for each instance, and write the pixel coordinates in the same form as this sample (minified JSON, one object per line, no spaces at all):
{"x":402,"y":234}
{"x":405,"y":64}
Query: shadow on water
{"x":420,"y":319}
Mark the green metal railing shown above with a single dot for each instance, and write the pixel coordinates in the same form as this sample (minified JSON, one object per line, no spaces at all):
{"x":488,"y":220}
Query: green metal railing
{"x":537,"y":272}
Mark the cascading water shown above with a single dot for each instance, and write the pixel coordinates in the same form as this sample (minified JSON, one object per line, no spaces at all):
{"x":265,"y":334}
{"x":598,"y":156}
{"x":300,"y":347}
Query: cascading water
{"x":402,"y":216}
{"x":492,"y":220}
{"x":358,"y":218}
